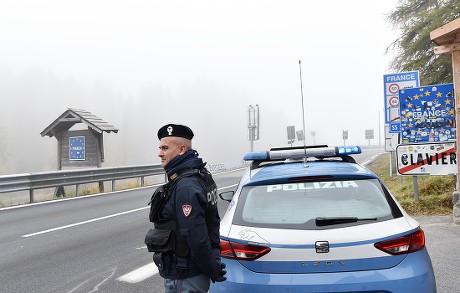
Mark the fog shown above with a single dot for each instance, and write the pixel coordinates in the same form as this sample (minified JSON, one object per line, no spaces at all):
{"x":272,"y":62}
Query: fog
{"x":142,"y":64}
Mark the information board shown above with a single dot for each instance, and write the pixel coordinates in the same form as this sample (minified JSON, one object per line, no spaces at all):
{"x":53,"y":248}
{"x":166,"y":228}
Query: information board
{"x":77,"y":148}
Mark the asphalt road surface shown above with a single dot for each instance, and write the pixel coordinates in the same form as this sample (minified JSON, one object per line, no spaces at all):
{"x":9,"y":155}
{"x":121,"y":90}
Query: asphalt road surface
{"x":96,"y":244}
{"x":443,"y":244}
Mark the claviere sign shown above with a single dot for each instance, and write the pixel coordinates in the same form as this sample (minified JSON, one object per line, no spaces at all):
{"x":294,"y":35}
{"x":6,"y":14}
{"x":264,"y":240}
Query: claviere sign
{"x":427,"y":159}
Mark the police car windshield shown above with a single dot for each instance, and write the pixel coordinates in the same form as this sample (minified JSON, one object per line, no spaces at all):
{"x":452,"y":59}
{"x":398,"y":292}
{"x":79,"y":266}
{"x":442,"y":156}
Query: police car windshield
{"x":300,"y":204}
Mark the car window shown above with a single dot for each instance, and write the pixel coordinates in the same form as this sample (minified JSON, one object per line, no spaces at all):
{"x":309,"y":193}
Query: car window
{"x":300,"y":203}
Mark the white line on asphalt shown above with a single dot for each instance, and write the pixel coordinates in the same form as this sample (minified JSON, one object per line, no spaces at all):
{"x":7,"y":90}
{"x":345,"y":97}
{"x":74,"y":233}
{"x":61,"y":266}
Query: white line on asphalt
{"x":140,"y":274}
{"x":96,"y":219}
{"x":370,"y":160}
{"x":233,"y":185}
{"x":134,"y":276}
{"x":149,"y":270}
{"x":228,"y":171}
{"x":84,"y":222}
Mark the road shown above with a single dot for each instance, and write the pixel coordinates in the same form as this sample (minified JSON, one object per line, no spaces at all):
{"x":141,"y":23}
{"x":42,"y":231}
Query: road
{"x":443,"y":241}
{"x":95,"y":243}
{"x":84,"y":244}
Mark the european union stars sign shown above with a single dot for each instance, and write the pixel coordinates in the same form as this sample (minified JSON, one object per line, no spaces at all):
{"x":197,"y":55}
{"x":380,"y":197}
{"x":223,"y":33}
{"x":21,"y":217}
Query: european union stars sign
{"x":427,"y":113}
{"x":77,"y":148}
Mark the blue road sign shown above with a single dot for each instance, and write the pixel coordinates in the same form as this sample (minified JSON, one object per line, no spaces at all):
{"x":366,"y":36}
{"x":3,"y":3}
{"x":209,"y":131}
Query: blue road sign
{"x":77,"y":148}
{"x":392,"y":84}
{"x":395,"y":127}
{"x":427,"y":114}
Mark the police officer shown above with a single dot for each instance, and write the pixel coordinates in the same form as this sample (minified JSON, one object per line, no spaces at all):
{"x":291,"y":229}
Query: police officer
{"x":193,"y":205}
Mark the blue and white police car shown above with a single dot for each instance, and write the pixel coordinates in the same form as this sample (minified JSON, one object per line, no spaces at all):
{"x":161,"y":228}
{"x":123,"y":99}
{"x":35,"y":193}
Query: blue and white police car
{"x":314,"y":220}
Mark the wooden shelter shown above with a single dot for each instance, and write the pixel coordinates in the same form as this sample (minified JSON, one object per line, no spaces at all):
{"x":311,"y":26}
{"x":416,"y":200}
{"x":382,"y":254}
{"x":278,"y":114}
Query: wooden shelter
{"x":81,"y":147}
{"x":447,"y":39}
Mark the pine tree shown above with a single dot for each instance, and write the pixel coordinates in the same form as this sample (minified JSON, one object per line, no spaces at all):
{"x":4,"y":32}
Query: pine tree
{"x":416,"y":19}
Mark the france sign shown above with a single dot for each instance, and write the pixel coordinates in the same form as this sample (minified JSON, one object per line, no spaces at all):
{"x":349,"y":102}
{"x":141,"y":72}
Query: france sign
{"x":427,"y":114}
{"x":426,"y":159}
{"x":392,"y":84}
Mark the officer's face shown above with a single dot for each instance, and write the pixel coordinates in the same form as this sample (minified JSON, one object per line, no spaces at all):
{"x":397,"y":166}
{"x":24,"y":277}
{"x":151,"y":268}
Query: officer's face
{"x":170,"y":147}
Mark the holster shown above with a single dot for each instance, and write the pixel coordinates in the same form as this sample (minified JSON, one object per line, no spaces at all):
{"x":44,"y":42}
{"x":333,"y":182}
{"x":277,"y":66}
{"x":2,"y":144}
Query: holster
{"x":157,"y":260}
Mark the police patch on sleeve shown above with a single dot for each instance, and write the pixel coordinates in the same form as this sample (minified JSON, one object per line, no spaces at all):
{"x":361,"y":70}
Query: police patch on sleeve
{"x":187,"y":210}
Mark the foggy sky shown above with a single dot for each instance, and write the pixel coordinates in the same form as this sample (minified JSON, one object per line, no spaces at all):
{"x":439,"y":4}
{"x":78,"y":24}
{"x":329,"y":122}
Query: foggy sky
{"x":142,"y":64}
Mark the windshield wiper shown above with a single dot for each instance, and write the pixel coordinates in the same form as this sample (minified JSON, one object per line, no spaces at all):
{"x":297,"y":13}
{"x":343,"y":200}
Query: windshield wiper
{"x":326,"y":221}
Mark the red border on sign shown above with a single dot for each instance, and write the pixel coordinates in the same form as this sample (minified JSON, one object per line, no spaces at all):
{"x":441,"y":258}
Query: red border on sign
{"x":393,"y":84}
{"x":425,"y":162}
{"x":393,"y":98}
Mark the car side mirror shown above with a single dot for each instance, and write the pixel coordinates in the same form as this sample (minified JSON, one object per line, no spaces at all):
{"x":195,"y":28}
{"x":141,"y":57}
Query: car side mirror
{"x":227,"y":195}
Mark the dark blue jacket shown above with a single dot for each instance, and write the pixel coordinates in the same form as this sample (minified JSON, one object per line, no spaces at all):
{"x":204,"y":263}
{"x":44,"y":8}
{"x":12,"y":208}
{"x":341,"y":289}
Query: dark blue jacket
{"x":195,"y":209}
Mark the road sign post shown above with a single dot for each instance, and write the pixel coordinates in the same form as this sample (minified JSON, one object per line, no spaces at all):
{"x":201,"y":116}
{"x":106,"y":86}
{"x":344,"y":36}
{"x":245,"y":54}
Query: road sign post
{"x":291,"y":134}
{"x":344,"y":136}
{"x":369,"y":134}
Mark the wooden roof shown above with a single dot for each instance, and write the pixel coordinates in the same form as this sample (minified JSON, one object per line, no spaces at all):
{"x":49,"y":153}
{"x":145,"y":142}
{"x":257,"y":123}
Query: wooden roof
{"x":73,"y":116}
{"x":447,"y":34}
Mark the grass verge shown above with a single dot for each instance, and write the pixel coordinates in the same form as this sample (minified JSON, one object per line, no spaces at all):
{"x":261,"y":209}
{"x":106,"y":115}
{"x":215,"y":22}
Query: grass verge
{"x":435,"y":192}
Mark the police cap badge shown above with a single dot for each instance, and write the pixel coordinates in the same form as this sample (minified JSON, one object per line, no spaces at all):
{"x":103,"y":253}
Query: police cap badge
{"x":175,"y":130}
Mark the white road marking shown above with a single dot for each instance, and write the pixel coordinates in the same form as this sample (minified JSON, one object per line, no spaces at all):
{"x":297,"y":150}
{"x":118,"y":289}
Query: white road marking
{"x":96,"y":288}
{"x":96,"y":219}
{"x":134,"y":276}
{"x":228,"y":171}
{"x":149,"y":270}
{"x":140,"y":274}
{"x":230,"y":186}
{"x":82,"y":223}
{"x":370,"y":160}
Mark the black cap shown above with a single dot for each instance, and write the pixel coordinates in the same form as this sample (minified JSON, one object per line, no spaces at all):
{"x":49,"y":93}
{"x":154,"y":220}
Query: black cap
{"x":175,"y":130}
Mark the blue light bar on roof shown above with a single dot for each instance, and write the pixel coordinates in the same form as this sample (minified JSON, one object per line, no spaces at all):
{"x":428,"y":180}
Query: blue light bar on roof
{"x":321,"y":152}
{"x":348,"y":150}
{"x":256,"y":156}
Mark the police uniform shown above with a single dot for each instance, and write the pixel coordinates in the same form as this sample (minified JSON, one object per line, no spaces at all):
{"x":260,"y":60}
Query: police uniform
{"x":193,"y":204}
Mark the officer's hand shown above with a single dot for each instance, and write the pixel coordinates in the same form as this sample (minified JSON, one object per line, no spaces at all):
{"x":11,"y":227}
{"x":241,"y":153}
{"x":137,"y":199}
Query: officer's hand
{"x":222,"y":272}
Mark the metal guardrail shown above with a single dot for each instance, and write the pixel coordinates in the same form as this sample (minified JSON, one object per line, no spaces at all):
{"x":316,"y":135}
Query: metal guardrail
{"x":33,"y":181}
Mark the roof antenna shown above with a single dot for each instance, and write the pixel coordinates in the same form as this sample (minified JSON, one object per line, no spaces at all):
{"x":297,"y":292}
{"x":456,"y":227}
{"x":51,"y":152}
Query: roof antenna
{"x":303,"y":115}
